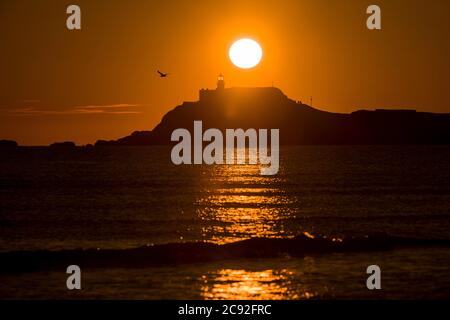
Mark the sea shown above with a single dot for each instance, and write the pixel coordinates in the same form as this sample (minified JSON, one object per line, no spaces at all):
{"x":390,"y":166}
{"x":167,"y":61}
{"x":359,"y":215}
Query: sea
{"x":140,"y":227}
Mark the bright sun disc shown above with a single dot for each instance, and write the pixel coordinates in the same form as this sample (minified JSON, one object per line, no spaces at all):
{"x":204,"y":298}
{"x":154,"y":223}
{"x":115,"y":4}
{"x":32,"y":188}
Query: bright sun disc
{"x":245,"y":53}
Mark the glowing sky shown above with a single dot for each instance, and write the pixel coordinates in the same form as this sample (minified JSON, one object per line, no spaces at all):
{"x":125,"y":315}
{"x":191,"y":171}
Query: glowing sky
{"x":101,"y":82}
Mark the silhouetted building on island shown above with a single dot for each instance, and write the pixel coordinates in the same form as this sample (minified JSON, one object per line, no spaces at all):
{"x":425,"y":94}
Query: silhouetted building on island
{"x":223,"y":95}
{"x":220,"y":82}
{"x":269,"y":107}
{"x":207,"y":94}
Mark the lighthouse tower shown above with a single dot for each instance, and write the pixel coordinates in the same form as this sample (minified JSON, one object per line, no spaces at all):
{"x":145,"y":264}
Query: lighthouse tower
{"x":212,"y":95}
{"x":220,"y":82}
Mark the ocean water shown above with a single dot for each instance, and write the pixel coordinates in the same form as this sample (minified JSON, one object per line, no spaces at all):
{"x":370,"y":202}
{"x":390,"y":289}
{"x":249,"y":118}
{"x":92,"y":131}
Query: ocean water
{"x":128,"y":197}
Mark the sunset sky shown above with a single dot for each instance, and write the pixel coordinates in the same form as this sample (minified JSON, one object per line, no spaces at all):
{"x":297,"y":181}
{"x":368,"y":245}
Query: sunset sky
{"x":101,"y":82}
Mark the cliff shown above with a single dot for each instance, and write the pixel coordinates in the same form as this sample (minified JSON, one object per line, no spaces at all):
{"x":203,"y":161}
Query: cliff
{"x":8,"y":143}
{"x":269,"y":108}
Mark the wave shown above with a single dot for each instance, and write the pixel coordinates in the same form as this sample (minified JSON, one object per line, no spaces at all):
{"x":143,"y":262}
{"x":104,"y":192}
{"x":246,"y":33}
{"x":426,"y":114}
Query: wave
{"x":198,"y":252}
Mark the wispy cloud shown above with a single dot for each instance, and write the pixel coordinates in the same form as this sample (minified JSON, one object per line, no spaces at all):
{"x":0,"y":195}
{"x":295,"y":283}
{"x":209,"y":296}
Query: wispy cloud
{"x":29,"y":101}
{"x":119,"y":109}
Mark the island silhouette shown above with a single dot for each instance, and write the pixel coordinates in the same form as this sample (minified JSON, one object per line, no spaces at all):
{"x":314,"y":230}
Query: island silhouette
{"x":8,"y":143}
{"x":299,"y":123}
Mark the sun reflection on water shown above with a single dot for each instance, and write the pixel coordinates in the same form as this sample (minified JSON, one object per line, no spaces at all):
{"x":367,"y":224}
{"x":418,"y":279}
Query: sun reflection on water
{"x":235,"y":202}
{"x":235,"y":224}
{"x":238,"y":284}
{"x":238,"y":203}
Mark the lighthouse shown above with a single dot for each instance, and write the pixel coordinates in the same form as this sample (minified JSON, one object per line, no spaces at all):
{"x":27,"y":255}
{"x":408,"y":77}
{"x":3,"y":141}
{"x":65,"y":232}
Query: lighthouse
{"x":220,"y":82}
{"x":209,"y":95}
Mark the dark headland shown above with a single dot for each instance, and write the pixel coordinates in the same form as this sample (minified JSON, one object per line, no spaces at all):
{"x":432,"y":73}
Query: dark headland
{"x":8,"y":143}
{"x":299,"y":123}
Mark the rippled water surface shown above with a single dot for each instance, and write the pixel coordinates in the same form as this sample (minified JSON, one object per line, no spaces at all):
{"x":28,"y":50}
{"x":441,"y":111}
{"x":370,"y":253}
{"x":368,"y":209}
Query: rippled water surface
{"x":127,"y":197}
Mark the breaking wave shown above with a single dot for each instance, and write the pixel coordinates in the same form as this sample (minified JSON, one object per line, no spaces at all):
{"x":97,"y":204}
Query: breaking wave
{"x":197,"y":252}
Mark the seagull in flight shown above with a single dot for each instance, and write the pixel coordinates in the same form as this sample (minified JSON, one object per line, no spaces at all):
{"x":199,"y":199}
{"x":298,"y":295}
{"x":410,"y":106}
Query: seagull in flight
{"x":162,"y":75}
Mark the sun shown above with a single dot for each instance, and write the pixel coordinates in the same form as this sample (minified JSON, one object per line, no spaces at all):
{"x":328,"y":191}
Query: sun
{"x":245,"y":53}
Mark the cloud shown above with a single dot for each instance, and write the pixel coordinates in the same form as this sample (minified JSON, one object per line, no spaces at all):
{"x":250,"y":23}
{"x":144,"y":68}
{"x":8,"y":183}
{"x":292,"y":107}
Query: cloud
{"x":119,"y":109}
{"x":29,"y":101}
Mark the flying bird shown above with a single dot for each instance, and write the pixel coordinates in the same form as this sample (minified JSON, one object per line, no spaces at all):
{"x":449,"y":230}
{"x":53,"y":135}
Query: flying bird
{"x":162,"y":75}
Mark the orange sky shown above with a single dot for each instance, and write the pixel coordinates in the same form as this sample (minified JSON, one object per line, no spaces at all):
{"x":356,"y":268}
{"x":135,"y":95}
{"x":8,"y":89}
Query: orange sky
{"x":101,"y":82}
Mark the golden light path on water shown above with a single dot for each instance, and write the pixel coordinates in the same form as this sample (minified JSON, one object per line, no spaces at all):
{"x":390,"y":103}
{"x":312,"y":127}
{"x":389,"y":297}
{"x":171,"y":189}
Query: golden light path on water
{"x":239,"y":284}
{"x":239,"y":203}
